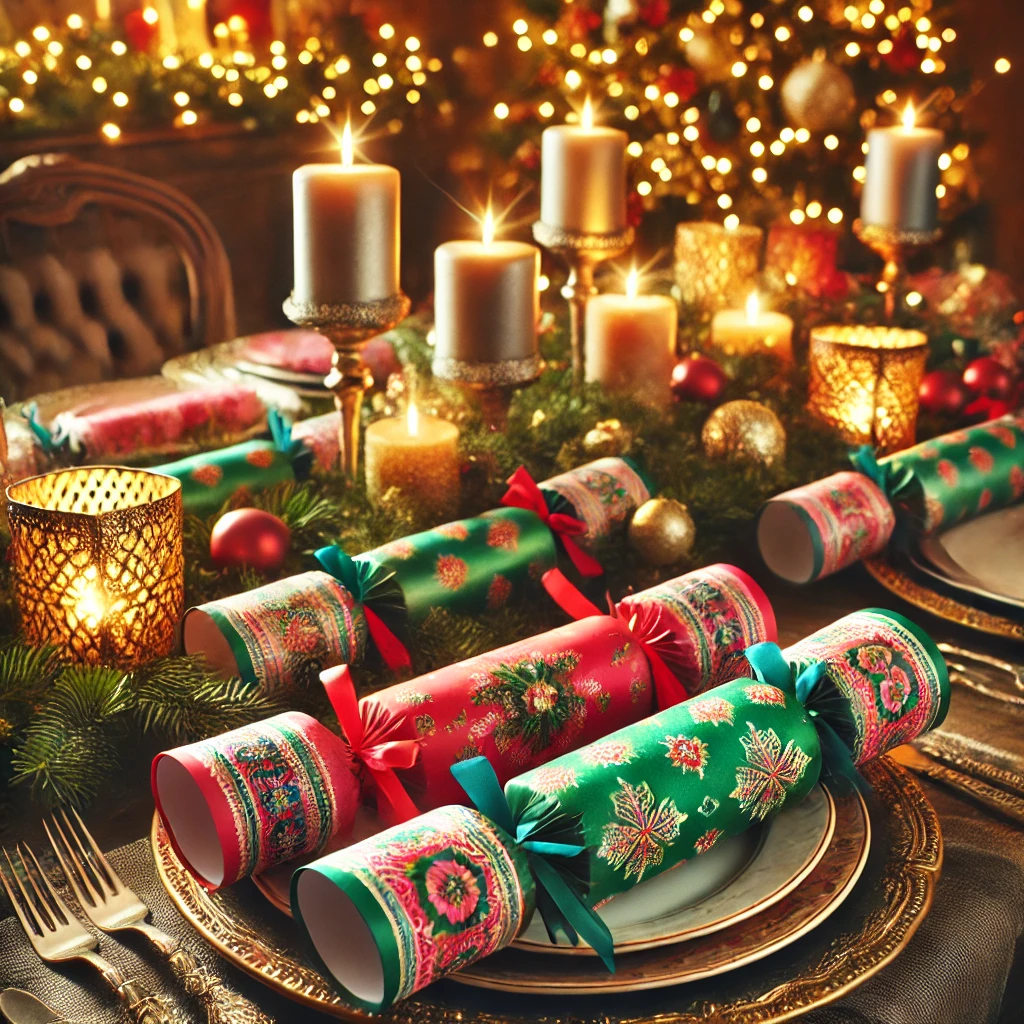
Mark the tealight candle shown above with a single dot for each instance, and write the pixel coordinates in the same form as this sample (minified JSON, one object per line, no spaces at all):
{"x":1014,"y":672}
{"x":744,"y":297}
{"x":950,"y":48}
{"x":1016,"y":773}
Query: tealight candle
{"x":583,"y":176}
{"x":346,"y":231}
{"x":742,"y":332}
{"x":901,"y":176}
{"x":631,"y":343}
{"x":416,"y":457}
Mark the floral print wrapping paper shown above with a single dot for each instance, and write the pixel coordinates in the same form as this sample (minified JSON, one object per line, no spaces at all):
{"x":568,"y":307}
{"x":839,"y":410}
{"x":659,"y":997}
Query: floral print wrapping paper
{"x":646,"y":798}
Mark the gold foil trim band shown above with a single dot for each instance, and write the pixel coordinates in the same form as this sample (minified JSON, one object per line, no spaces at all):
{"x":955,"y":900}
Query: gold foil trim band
{"x":381,"y":314}
{"x":552,"y":237}
{"x":502,"y":373}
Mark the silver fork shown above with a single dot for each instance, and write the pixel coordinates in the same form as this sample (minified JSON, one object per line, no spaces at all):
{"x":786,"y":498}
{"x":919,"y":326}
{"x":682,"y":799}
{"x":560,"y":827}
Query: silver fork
{"x":57,"y":935}
{"x":112,"y":906}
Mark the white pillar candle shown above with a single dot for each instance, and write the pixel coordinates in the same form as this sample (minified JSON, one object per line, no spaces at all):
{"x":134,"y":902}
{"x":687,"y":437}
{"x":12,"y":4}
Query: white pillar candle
{"x":901,"y":176}
{"x":190,"y":25}
{"x":346,"y":218}
{"x":583,"y":177}
{"x":166,"y":36}
{"x":740,"y":332}
{"x":486,"y":303}
{"x":631,"y":343}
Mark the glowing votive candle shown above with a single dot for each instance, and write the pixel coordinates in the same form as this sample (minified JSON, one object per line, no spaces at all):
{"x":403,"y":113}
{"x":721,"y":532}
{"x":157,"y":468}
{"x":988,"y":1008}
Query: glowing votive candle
{"x":740,"y":332}
{"x":631,"y":343}
{"x":901,"y":176}
{"x":417,"y":460}
{"x":583,"y":176}
{"x":346,"y":230}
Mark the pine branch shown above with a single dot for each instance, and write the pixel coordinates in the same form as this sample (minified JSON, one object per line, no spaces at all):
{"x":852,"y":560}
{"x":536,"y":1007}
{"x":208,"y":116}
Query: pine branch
{"x":26,"y":674}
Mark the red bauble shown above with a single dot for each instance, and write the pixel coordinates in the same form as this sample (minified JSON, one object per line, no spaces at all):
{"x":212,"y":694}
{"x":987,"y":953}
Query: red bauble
{"x":698,"y":379}
{"x":943,"y":393}
{"x":252,"y":537}
{"x":139,"y":32}
{"x":987,"y":376}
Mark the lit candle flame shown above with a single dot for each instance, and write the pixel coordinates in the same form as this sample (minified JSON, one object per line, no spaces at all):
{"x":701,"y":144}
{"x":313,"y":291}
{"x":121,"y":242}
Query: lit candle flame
{"x":487,"y":231}
{"x":632,"y":283}
{"x":90,"y":606}
{"x":753,"y":308}
{"x":909,"y":116}
{"x":412,"y":420}
{"x":347,"y":151}
{"x":587,"y":115}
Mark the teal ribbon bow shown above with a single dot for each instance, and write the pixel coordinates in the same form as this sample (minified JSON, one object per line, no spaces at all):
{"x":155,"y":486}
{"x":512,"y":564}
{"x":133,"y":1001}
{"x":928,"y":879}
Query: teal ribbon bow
{"x":893,"y":482}
{"x":281,"y":434}
{"x":770,"y":666}
{"x":559,"y":889}
{"x":50,"y":443}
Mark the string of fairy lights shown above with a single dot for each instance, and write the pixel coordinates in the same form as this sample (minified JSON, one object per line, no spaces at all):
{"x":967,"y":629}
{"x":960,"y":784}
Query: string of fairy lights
{"x":737,"y":112}
{"x":78,"y":77}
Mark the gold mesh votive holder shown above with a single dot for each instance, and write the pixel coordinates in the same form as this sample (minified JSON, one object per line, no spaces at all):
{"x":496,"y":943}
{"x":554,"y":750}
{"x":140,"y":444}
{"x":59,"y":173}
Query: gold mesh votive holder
{"x":716,"y":267}
{"x":864,"y":381}
{"x":97,"y":562}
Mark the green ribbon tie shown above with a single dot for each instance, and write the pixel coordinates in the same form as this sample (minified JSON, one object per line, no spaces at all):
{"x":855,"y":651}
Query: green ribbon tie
{"x":560,"y":903}
{"x":300,"y":456}
{"x":50,"y":443}
{"x":894,"y":483}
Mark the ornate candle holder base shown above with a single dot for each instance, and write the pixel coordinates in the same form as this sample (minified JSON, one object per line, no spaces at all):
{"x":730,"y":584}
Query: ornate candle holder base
{"x":895,"y":246}
{"x":489,"y":385}
{"x":349,"y":327}
{"x":582,"y":252}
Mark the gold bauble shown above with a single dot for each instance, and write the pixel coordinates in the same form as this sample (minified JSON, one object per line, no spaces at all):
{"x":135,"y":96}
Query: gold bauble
{"x":708,"y":56}
{"x":744,"y":430}
{"x":608,"y":437}
{"x":662,"y":531}
{"x":818,"y":95}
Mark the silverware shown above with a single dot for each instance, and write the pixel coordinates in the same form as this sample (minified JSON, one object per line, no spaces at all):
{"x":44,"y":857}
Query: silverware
{"x":21,"y":1007}
{"x":958,"y":673}
{"x":112,"y":907}
{"x":979,"y":760}
{"x":57,"y":935}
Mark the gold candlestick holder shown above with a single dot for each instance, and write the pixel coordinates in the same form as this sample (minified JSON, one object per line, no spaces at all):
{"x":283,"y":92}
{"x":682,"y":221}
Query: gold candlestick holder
{"x":349,"y":327}
{"x":489,"y":386}
{"x":582,"y":253}
{"x":895,"y":246}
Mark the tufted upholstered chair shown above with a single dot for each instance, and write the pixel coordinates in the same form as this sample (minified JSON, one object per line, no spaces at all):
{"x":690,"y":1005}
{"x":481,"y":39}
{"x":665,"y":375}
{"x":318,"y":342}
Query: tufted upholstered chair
{"x":103,"y":274}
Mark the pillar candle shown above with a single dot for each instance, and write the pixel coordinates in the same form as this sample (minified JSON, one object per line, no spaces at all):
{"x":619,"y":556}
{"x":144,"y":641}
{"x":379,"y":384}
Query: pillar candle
{"x":631,"y":343}
{"x":419,"y":457}
{"x":902,"y":173}
{"x":486,"y":308}
{"x":346,"y":231}
{"x":583,"y":177}
{"x":742,"y":332}
{"x":190,"y":25}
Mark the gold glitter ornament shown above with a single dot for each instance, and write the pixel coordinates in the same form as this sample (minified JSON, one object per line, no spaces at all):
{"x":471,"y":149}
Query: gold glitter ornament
{"x":744,"y":430}
{"x":818,"y":95}
{"x":662,"y":532}
{"x":608,"y":437}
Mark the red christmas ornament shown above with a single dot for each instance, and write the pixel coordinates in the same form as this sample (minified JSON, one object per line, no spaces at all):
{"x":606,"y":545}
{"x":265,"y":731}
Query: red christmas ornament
{"x":987,"y":376}
{"x":654,"y":13}
{"x":698,"y":379}
{"x":634,"y":209}
{"x":904,"y":56}
{"x":682,"y":81}
{"x":943,"y":393}
{"x":249,"y":536}
{"x":139,"y":32}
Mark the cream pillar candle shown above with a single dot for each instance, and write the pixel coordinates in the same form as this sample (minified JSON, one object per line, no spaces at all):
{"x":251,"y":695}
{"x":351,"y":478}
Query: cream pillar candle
{"x":417,"y":456}
{"x":346,"y":231}
{"x":190,"y":25}
{"x":486,"y":309}
{"x":739,"y":332}
{"x":902,"y":174}
{"x":583,"y":177}
{"x":631,"y":343}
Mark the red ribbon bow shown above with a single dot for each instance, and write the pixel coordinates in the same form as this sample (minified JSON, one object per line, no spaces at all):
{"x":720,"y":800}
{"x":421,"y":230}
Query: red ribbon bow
{"x":391,"y":649}
{"x":368,"y":730}
{"x":656,"y":640}
{"x":523,"y":492}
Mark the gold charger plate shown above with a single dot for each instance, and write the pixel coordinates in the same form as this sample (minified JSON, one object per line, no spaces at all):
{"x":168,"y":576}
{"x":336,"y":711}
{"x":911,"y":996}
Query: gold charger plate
{"x":871,"y":927}
{"x":898,"y":581}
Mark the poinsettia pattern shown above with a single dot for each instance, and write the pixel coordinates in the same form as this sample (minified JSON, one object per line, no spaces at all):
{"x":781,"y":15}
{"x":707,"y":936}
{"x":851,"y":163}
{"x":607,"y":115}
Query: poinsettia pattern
{"x":645,"y":828}
{"x":763,"y":693}
{"x":770,"y":772}
{"x":552,"y":779}
{"x":716,"y":710}
{"x":687,"y":752}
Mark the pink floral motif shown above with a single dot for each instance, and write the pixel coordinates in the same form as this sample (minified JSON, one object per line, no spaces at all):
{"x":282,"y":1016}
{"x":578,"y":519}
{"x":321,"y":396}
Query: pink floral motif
{"x":453,"y":531}
{"x":874,"y":660}
{"x":984,"y":499}
{"x":402,"y":549}
{"x":981,"y":459}
{"x":1017,"y":482}
{"x":896,"y":690}
{"x":928,"y":451}
{"x":261,"y":458}
{"x":706,"y":841}
{"x":504,"y":534}
{"x":453,"y":890}
{"x":301,"y":635}
{"x":948,"y":472}
{"x":498,"y":592}
{"x":451,"y":572}
{"x":607,"y":753}
{"x":687,"y":752}
{"x":553,"y":778}
{"x":207,"y":474}
{"x":715,"y":710}
{"x":1003,"y":434}
{"x":762,"y":693}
